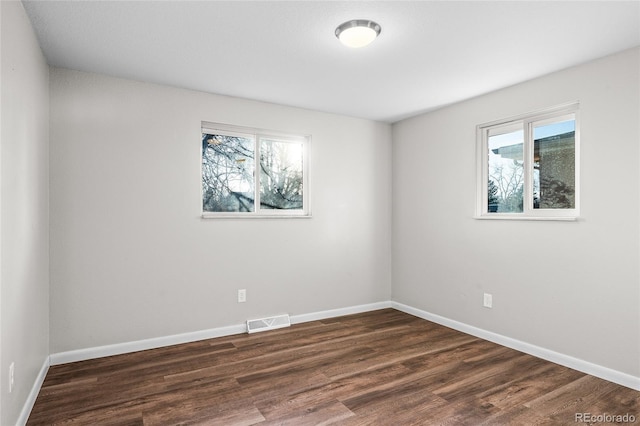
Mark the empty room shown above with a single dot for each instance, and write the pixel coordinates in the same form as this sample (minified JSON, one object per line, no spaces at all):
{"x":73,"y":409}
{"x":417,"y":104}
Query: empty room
{"x":319,"y":212}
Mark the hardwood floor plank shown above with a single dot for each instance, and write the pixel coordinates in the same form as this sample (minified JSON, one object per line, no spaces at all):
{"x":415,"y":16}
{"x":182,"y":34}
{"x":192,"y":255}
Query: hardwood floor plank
{"x":526,"y":385}
{"x":223,"y":403}
{"x":484,"y":375}
{"x":326,"y":413}
{"x":376,"y":368}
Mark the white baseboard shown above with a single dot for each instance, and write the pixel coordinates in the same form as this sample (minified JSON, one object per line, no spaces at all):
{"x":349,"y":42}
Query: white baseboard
{"x":158,"y":342}
{"x":609,"y":374}
{"x":316,"y":316}
{"x":33,"y":394}
{"x":587,"y":367}
{"x":141,"y":345}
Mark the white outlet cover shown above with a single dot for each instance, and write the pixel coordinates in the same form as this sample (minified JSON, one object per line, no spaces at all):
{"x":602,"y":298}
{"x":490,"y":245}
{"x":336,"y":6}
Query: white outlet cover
{"x":488,"y":300}
{"x":11,"y":376}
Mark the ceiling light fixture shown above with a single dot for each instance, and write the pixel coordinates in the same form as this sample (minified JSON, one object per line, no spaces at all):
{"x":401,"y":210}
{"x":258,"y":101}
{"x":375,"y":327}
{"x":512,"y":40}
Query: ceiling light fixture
{"x":358,"y":32}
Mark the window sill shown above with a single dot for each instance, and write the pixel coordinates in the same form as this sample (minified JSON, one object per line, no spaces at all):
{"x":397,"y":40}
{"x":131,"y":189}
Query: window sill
{"x":254,"y":216}
{"x":534,"y":218}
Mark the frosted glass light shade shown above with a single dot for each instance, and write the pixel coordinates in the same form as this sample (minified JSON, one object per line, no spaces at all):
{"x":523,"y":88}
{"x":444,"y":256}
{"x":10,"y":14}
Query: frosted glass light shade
{"x":358,"y":32}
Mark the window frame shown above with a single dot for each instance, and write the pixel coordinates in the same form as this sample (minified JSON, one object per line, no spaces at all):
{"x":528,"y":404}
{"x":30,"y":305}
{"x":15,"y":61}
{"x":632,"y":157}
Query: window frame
{"x":525,"y":122}
{"x":258,"y":135}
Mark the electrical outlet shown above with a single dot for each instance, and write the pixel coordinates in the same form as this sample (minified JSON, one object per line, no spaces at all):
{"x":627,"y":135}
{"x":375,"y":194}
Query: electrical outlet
{"x":11,"y":378}
{"x":488,"y":300}
{"x":242,"y":295}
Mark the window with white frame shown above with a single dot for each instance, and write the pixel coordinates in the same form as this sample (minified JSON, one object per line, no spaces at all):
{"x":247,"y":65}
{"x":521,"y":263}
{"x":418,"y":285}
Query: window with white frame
{"x":528,"y":166}
{"x":252,"y":173}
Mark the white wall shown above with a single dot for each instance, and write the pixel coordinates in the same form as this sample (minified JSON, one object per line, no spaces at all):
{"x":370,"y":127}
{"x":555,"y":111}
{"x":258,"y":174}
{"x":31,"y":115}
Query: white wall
{"x":132,"y":259}
{"x":571,"y":287}
{"x":24,"y":212}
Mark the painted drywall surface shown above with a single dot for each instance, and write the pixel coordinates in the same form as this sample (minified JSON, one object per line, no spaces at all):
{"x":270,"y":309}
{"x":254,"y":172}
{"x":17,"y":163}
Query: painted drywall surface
{"x":24,"y":192}
{"x":572,"y":287}
{"x":131,"y":258}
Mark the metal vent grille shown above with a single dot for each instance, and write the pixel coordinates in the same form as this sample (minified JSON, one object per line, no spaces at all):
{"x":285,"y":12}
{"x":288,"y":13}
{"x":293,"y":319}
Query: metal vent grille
{"x":270,"y":323}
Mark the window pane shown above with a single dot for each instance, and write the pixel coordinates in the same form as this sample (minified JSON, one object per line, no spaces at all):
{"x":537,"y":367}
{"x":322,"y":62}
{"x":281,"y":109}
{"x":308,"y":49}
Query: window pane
{"x":554,"y":160}
{"x":281,"y":183}
{"x":506,"y":172}
{"x":227,"y":173}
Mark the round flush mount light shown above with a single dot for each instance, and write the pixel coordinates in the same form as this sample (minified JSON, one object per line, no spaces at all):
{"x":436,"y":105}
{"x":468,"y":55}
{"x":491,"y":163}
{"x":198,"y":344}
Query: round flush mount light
{"x":358,"y":32}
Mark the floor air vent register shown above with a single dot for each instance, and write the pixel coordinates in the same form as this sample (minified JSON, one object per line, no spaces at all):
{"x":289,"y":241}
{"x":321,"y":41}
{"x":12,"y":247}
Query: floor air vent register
{"x":270,"y":323}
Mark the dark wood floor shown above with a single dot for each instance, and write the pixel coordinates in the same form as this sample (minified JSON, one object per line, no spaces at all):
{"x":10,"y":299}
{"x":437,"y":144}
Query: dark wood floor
{"x":378,"y":368}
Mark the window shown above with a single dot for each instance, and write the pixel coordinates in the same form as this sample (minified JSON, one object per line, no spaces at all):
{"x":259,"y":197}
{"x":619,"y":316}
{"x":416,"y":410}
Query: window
{"x":251,"y":173}
{"x":528,"y":166}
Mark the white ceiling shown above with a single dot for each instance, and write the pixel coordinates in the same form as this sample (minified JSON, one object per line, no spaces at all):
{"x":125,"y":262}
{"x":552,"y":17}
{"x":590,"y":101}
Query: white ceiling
{"x":429,"y":54}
